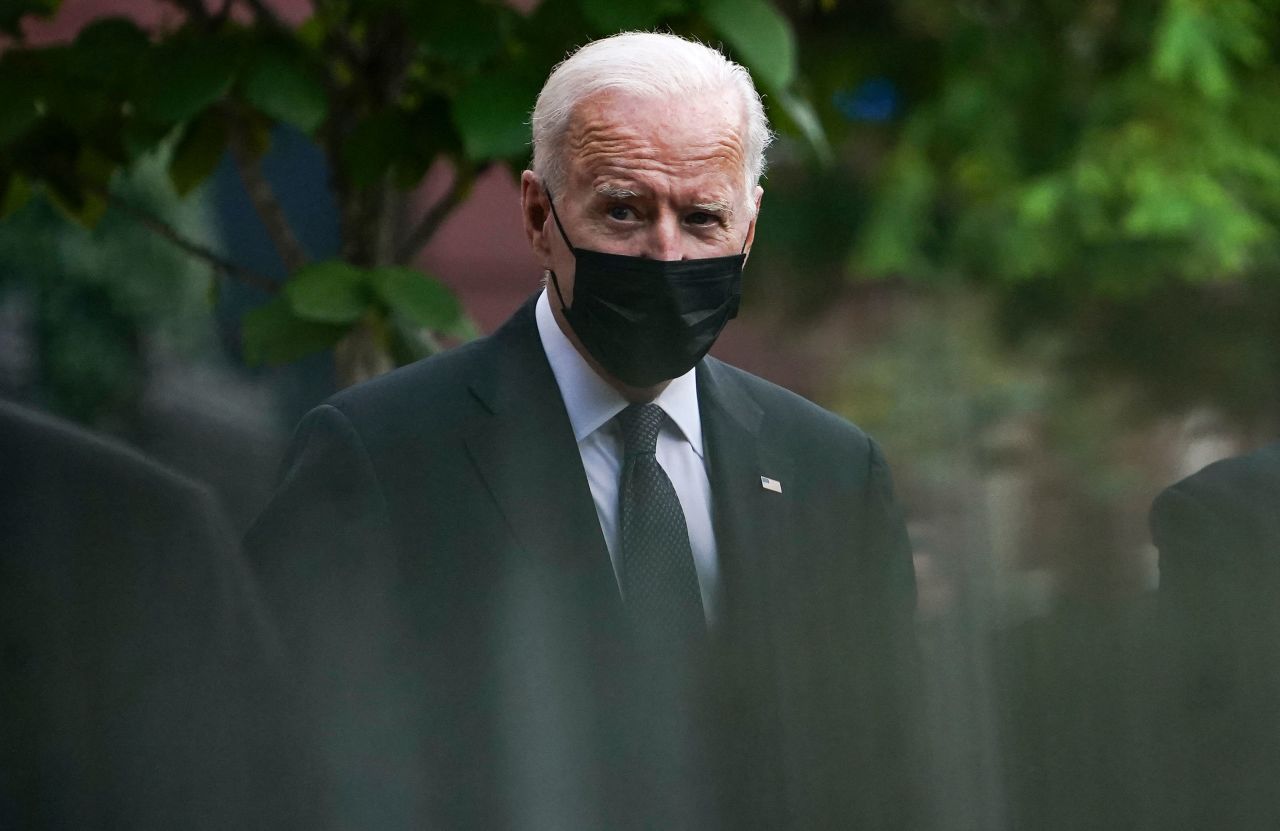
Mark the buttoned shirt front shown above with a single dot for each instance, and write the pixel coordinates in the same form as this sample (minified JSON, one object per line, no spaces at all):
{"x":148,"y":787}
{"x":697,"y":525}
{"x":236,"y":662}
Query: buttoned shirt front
{"x":592,"y":406}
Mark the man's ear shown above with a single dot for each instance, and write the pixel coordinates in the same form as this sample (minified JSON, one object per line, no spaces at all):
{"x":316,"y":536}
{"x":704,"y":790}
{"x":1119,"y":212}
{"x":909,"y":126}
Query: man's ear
{"x":535,"y":209}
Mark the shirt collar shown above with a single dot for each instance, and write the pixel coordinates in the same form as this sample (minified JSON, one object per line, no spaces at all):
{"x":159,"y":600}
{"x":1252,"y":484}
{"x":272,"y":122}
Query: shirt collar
{"x":592,"y":403}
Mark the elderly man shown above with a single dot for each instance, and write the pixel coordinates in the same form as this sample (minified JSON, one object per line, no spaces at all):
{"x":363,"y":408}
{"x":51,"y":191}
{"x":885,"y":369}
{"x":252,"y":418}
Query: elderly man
{"x":576,"y":574}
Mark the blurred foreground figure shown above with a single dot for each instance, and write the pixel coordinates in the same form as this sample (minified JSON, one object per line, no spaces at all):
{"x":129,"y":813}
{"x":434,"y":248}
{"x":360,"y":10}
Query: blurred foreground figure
{"x":134,"y":688}
{"x":1219,"y":538}
{"x":577,"y":574}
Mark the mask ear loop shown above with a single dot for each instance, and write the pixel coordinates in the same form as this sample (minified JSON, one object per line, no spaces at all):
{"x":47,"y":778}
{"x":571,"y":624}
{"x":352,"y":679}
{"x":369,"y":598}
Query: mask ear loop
{"x":555,"y":282}
{"x":556,"y":217}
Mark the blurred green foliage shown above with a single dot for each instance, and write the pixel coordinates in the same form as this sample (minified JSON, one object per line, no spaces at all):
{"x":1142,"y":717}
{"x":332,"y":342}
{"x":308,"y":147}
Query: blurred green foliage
{"x":1108,"y":170}
{"x":97,"y":304}
{"x":1119,"y":143}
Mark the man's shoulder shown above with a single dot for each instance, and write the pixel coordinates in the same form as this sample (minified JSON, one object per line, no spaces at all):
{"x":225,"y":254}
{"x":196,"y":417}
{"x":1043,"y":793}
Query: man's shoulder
{"x":52,"y":454}
{"x":429,"y":381}
{"x":442,"y":386}
{"x":1233,"y":482}
{"x":1226,"y":510}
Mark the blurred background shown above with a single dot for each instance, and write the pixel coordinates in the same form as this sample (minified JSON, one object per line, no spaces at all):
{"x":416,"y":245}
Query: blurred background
{"x":1032,"y":248}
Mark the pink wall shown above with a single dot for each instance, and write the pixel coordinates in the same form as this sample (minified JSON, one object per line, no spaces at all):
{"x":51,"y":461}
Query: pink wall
{"x":151,"y":14}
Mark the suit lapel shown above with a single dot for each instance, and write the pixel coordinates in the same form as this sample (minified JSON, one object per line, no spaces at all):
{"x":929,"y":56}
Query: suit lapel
{"x":524,"y":449}
{"x":752,"y":542}
{"x":750,"y":519}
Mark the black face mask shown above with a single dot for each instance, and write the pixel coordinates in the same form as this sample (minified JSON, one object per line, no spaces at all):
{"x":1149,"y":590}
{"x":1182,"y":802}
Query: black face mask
{"x":647,"y":321}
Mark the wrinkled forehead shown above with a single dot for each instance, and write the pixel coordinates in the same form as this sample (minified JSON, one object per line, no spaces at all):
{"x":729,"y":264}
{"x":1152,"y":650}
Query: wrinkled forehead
{"x":674,"y":135}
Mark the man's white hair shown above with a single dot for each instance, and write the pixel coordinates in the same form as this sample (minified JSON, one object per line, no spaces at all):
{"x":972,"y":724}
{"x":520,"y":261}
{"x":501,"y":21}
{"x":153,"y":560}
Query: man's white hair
{"x":647,"y":64}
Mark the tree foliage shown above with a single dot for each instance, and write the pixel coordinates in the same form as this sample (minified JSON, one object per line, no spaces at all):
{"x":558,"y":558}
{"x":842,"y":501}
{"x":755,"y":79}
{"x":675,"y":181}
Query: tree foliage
{"x":387,"y":88}
{"x":1072,"y":159}
{"x":99,"y":305}
{"x":1122,"y":144}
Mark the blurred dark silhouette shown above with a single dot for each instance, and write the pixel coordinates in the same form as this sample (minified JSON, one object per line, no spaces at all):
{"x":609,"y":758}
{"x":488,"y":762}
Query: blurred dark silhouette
{"x":1218,"y":532}
{"x":137,"y":688}
{"x":1076,"y":707}
{"x":215,"y":427}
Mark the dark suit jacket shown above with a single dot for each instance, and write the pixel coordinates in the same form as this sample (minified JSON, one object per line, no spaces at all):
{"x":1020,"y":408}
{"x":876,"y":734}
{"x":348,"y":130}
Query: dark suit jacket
{"x":439,"y":572}
{"x":1218,"y":532}
{"x":134,"y":688}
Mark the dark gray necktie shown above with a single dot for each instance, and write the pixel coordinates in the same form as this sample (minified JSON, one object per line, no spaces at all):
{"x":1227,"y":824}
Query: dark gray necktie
{"x":659,"y":581}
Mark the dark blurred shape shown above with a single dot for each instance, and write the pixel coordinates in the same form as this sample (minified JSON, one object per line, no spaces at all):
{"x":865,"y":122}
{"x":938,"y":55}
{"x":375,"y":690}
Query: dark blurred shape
{"x":1218,"y":532}
{"x":136,"y":686}
{"x":445,"y":593}
{"x":1077,"y":706}
{"x":213,"y":426}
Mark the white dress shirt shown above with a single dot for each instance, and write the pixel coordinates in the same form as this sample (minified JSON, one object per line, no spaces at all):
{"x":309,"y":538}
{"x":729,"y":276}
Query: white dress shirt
{"x":592,"y":405}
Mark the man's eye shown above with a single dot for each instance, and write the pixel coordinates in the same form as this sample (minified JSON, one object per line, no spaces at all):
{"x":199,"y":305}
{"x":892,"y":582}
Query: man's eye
{"x":620,"y":212}
{"x":701,"y":218}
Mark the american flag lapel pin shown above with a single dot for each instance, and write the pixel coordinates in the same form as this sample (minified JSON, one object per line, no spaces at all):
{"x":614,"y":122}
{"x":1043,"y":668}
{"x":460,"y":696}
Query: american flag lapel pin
{"x":770,"y":484}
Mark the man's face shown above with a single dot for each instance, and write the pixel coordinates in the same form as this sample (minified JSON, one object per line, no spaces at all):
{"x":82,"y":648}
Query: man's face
{"x":661,"y":179}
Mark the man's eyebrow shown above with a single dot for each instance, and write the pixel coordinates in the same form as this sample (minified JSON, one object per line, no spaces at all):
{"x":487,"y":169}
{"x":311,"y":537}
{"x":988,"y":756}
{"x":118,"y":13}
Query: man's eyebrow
{"x":717,"y":206}
{"x":615,"y":192}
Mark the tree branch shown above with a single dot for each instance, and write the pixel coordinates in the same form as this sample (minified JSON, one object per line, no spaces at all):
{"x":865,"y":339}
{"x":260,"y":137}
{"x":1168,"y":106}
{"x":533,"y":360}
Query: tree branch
{"x":263,"y":197}
{"x":435,"y":215}
{"x":195,"y":249}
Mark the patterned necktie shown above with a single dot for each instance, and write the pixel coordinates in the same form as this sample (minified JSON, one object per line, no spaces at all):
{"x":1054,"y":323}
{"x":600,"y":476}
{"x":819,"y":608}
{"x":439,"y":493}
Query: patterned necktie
{"x":659,"y":581}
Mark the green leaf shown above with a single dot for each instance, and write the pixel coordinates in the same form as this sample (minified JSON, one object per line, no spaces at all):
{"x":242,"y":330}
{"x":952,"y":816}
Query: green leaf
{"x":54,"y":77}
{"x":257,"y":134}
{"x":464,"y":33}
{"x":48,"y":154}
{"x":374,"y":145}
{"x":800,"y":113}
{"x":108,"y":52}
{"x":492,"y":114}
{"x":311,"y":33}
{"x":17,"y":105}
{"x":328,"y":292}
{"x":198,"y":153}
{"x":279,"y":82}
{"x":184,"y":76}
{"x":15,"y":194}
{"x":79,"y":206}
{"x":93,"y":169}
{"x":759,"y":35}
{"x":611,"y":16}
{"x":1186,"y":49}
{"x":893,"y":239}
{"x":429,"y":134}
{"x":273,"y":334}
{"x":545,"y":35}
{"x":422,"y":299}
{"x":139,"y":137}
{"x":1040,"y":200}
